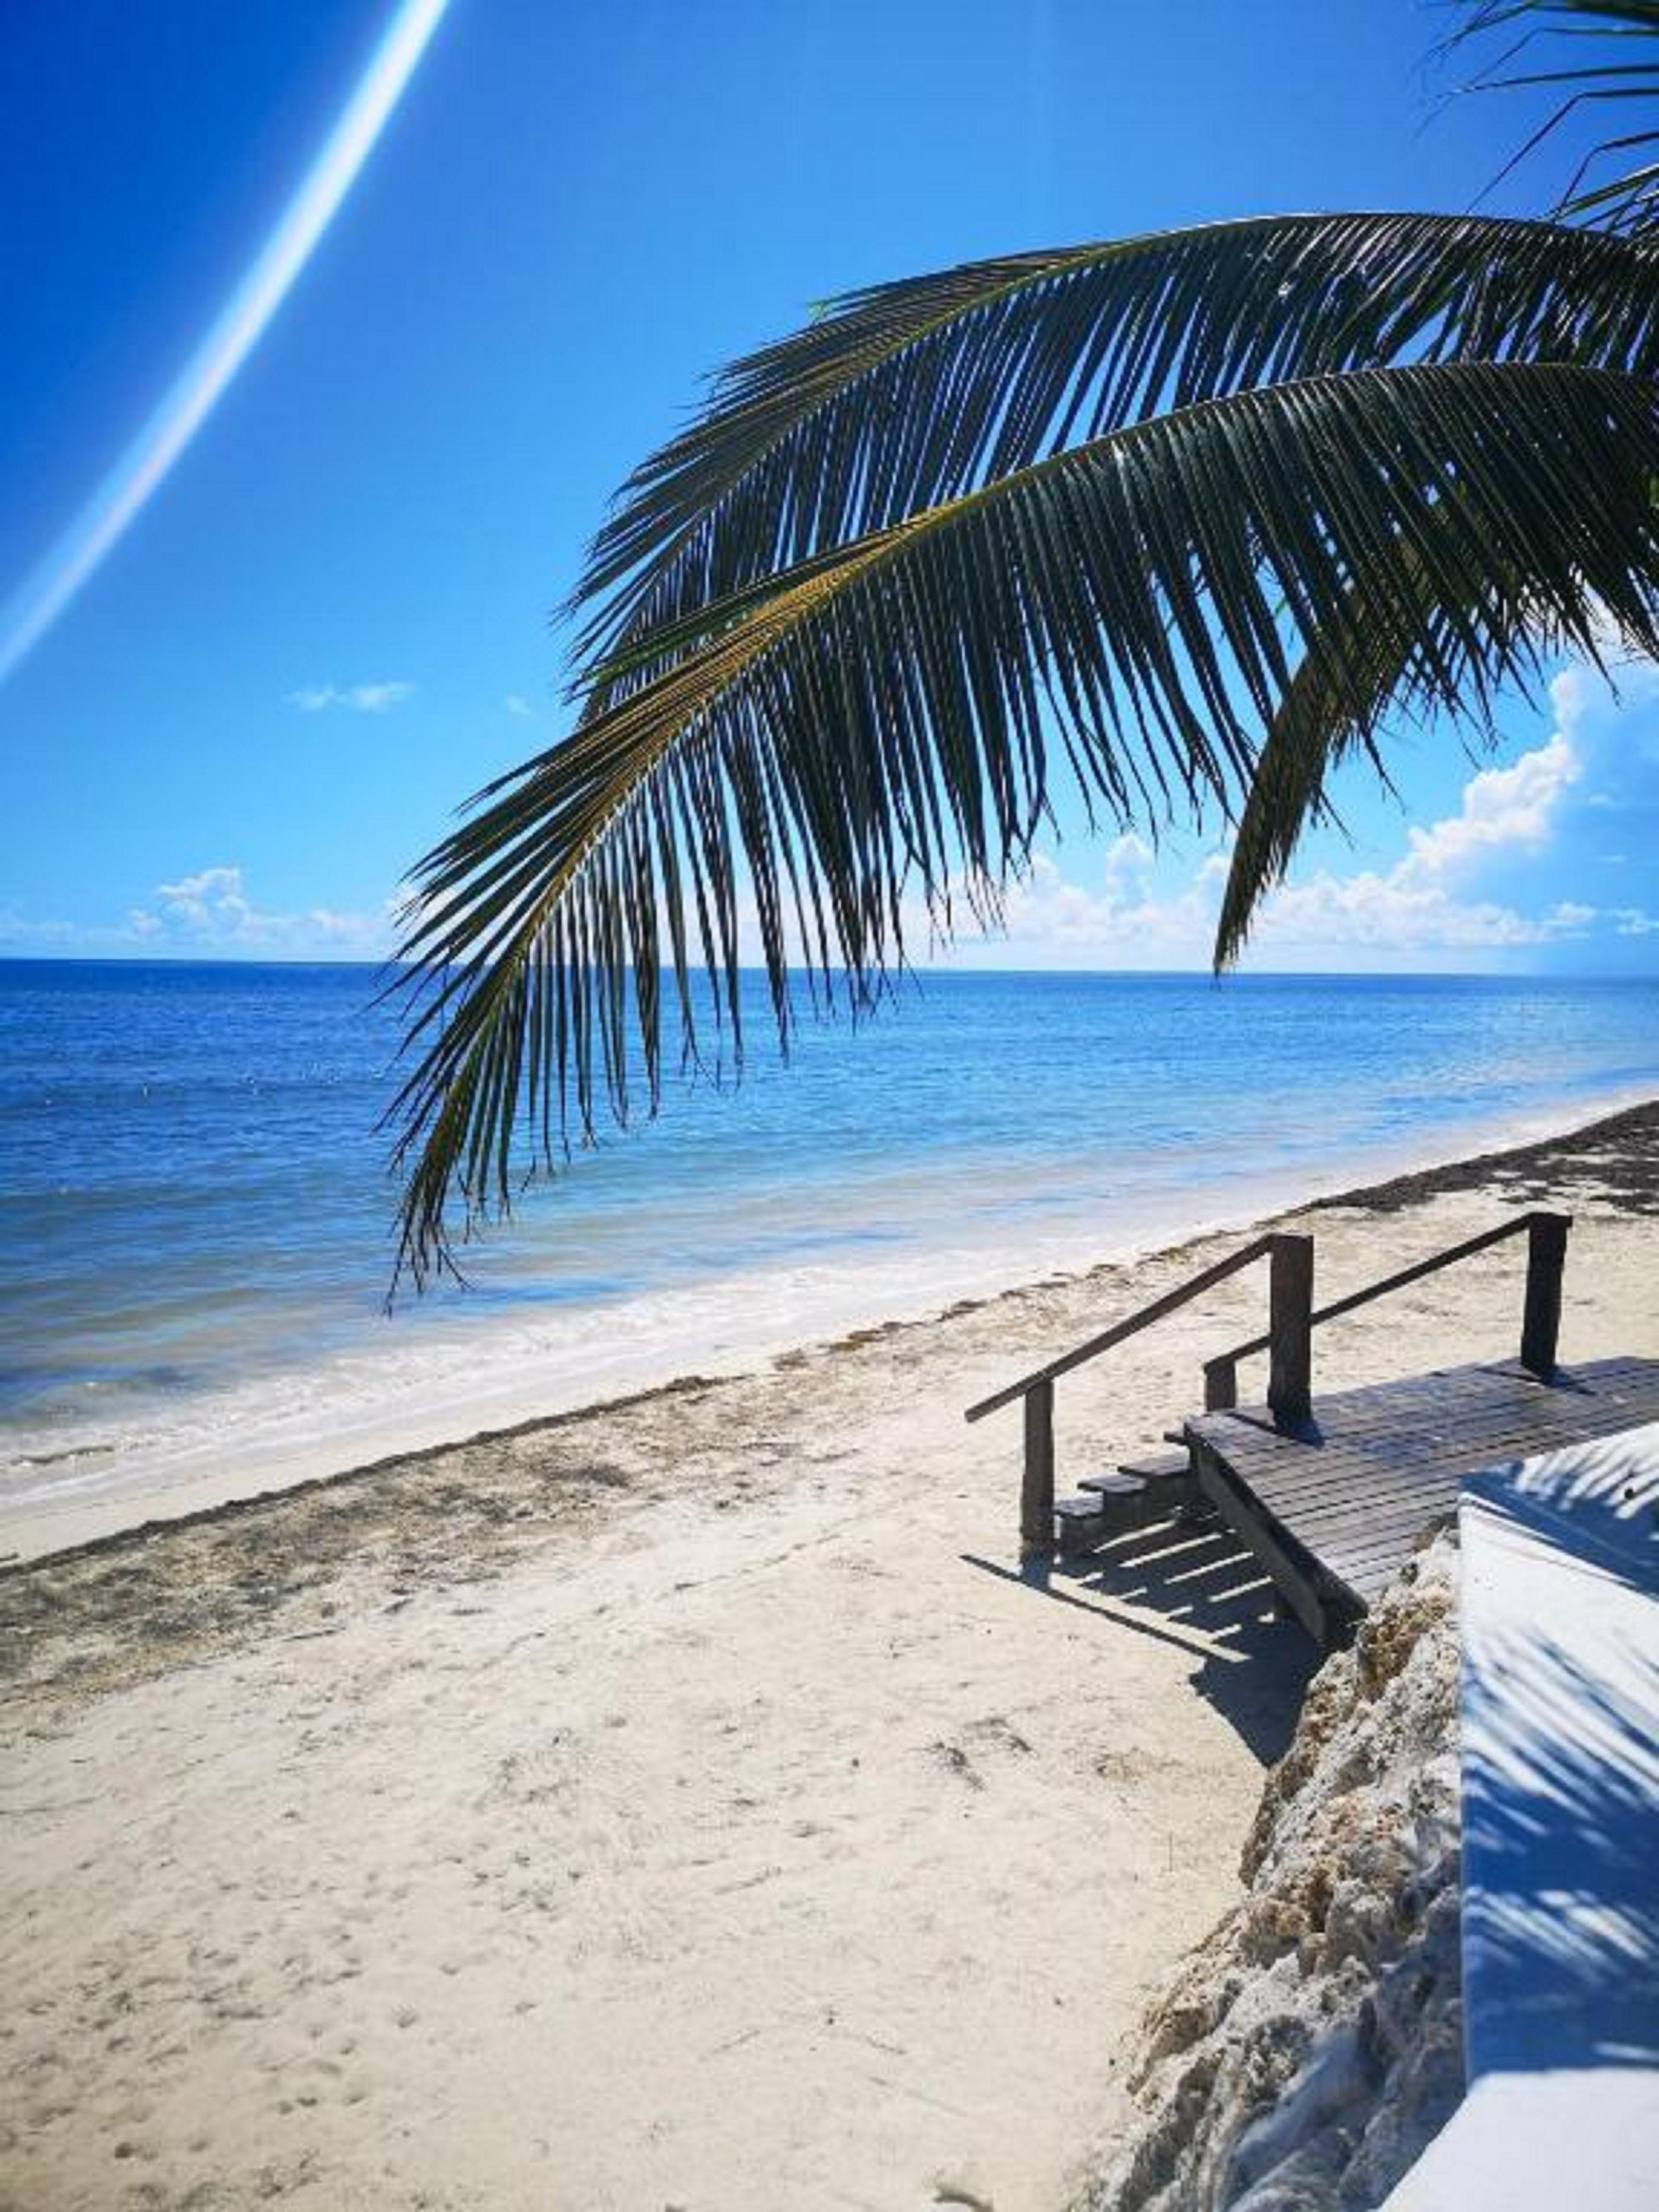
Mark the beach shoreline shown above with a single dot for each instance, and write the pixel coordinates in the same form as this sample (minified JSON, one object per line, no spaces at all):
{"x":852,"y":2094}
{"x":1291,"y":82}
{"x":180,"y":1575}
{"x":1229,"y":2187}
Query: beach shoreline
{"x":685,"y":1802}
{"x":180,"y":1484}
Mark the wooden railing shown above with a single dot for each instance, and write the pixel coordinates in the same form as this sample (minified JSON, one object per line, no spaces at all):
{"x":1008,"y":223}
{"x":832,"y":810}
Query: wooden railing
{"x":1541,"y":1325}
{"x":1289,"y":1308}
{"x":1287,"y":1340}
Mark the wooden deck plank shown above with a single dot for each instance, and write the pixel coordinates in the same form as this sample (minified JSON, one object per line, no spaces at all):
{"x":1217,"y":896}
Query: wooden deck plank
{"x":1404,"y":1425}
{"x":1313,"y":1487}
{"x":1323,"y":1478}
{"x":1334,"y":1509}
{"x":1334,"y":1524}
{"x":1294,"y":1575}
{"x":1406,"y":1428}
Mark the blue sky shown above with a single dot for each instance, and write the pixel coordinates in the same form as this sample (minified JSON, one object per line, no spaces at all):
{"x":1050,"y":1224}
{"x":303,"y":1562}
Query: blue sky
{"x":330,"y":622}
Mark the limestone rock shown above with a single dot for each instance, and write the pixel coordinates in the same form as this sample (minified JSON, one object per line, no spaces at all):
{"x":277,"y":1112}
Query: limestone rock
{"x":1301,"y":2058}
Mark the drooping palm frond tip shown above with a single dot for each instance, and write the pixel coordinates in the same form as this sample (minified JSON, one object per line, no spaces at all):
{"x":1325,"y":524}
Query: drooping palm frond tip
{"x":882,"y":722}
{"x":1315,"y":730}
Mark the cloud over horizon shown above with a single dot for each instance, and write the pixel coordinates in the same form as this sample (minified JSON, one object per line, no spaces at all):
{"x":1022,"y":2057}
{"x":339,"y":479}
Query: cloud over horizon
{"x":1508,"y":871}
{"x":359,"y":698}
{"x":1549,"y":860}
{"x":211,"y":913}
{"x":212,"y":909}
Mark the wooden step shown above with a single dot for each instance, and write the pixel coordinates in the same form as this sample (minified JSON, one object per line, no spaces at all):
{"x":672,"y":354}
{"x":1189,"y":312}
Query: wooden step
{"x":1153,"y":1487}
{"x":1157,"y":1466}
{"x":1111,"y":1506}
{"x":1083,"y":1523}
{"x":1080,"y":1523}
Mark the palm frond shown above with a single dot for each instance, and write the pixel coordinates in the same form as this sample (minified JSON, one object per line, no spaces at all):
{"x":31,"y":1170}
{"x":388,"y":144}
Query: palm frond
{"x":1317,"y":730}
{"x":910,"y":394}
{"x":1602,"y":59}
{"x":1313,"y":732}
{"x":882,"y":722}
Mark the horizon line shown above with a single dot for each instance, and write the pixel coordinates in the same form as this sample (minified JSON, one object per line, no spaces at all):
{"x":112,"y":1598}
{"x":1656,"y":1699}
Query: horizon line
{"x":908,"y":971}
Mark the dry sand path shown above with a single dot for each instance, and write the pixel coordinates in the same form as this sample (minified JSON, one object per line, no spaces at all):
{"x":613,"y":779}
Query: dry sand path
{"x":678,"y":1804}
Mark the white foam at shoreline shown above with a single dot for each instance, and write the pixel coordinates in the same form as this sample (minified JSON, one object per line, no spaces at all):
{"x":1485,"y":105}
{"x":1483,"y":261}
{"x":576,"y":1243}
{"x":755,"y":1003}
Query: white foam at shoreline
{"x":62,"y":1486}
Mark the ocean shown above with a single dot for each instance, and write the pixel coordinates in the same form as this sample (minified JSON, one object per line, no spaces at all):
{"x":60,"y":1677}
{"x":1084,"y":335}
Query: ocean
{"x":199,"y":1216}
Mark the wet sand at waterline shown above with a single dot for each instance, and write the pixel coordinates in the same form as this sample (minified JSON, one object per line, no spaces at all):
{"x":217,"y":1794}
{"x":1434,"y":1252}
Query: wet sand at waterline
{"x":681,"y":1803}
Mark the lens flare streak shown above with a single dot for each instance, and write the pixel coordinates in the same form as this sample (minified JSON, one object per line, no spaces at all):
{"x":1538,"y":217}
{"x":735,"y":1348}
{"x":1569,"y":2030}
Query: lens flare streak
{"x":121,"y":497}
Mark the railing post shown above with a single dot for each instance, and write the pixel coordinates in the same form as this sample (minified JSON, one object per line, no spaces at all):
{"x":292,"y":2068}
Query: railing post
{"x":1036,"y":1497}
{"x":1546,"y":1258}
{"x":1220,"y":1385}
{"x":1290,"y":1324}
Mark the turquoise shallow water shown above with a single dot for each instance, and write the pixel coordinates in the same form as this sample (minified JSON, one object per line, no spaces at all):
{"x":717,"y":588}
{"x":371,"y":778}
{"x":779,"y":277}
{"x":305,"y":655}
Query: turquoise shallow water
{"x":196,"y":1211}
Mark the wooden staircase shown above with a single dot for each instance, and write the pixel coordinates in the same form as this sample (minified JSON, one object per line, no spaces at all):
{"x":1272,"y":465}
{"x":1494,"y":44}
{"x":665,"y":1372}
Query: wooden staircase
{"x":1161,"y":1486}
{"x":1156,"y":1486}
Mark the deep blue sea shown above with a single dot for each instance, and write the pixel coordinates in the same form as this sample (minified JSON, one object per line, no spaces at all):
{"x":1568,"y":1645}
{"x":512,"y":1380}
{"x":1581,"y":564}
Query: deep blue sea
{"x":198,"y":1214}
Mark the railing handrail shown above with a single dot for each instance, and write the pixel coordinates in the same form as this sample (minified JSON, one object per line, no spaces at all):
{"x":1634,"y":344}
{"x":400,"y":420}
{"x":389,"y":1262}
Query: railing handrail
{"x":1194,"y":1287}
{"x":1289,"y":1341}
{"x":1396,"y":1282}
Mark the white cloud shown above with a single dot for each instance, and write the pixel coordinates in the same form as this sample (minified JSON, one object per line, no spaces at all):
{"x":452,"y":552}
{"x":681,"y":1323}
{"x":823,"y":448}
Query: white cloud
{"x":359,"y":698}
{"x":17,"y":928}
{"x":210,"y":913}
{"x":1631,"y":921}
{"x":210,"y":901}
{"x":1421,"y":903}
{"x":1123,"y":923}
{"x":1126,"y":857}
{"x":1503,"y":808}
{"x":517,"y":704}
{"x":1390,"y":913}
{"x":1580,"y":692}
{"x":213,"y":908}
{"x":1571,"y":918}
{"x":1425,"y":905}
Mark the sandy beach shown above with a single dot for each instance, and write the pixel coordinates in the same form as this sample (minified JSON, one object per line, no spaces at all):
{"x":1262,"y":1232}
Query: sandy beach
{"x":683,"y":1803}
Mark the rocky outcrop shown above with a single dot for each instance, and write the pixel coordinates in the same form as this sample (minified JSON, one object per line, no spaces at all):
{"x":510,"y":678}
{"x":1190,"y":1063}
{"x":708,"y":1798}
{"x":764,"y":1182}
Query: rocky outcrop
{"x":1303,"y":2056}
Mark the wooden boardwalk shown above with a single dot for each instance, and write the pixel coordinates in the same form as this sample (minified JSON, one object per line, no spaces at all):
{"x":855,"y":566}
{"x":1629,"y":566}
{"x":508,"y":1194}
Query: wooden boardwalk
{"x":1333,"y":1505}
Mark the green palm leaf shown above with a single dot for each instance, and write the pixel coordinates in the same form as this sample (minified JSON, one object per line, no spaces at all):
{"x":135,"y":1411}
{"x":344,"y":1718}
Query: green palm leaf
{"x":913,"y":394}
{"x":1311,"y":734}
{"x":881,"y":721}
{"x":1603,"y":58}
{"x":1315,"y":729}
